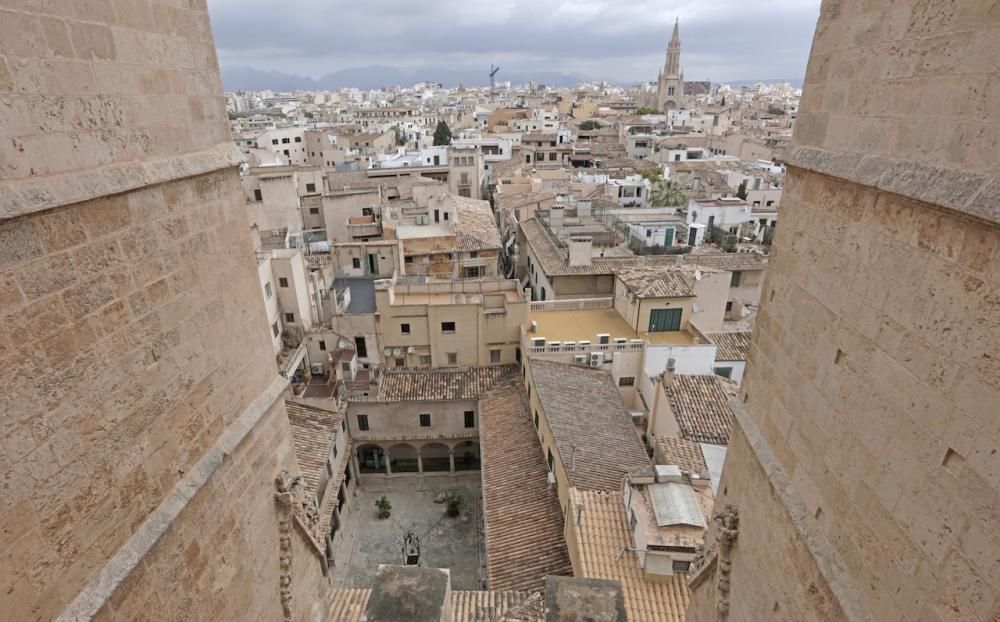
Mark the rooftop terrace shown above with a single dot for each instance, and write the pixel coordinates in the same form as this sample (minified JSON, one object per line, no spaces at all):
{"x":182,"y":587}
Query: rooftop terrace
{"x":566,"y":323}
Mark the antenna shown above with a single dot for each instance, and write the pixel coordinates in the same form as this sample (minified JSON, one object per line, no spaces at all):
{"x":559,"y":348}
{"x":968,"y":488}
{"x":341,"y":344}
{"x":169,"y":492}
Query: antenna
{"x":493,"y":86}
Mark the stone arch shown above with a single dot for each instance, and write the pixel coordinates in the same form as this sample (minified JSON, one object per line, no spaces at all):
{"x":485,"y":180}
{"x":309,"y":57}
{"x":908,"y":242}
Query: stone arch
{"x":371,"y":459}
{"x":467,"y":456}
{"x":403,"y":458}
{"x":436,"y":457}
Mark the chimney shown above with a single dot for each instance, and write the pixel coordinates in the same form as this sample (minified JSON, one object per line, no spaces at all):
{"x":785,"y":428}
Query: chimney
{"x":579,"y":251}
{"x":583,"y":209}
{"x":668,"y":374}
{"x":556,"y":218}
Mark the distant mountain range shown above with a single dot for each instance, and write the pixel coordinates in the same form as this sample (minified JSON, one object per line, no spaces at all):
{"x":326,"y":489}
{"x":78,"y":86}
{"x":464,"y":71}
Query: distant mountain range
{"x":376,"y":76}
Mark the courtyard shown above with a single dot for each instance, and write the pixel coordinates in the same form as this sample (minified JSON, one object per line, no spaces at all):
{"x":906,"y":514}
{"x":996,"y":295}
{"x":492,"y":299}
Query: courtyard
{"x":445,"y":542}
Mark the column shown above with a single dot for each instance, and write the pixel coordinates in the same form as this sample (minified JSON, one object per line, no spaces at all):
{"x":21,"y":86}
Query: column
{"x":420,"y":461}
{"x":388,"y":469}
{"x":451,"y":460}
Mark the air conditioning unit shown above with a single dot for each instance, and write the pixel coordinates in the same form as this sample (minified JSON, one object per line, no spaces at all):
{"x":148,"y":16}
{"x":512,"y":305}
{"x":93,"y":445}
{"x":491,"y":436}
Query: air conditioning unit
{"x":396,"y":351}
{"x":411,"y":350}
{"x":580,"y":359}
{"x":551,"y":479}
{"x":596,"y":359}
{"x":316,"y":369}
{"x":387,"y":352}
{"x":637,"y":416}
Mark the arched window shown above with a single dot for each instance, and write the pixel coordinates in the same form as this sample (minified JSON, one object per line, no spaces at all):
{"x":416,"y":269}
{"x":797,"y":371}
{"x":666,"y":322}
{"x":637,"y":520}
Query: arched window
{"x":670,"y":90}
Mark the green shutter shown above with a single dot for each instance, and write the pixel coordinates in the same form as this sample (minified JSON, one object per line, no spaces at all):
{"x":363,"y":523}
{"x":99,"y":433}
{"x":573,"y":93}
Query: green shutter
{"x":661,"y":320}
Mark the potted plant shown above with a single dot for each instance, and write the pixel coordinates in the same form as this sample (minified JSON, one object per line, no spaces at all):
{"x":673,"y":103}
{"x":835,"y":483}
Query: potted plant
{"x":453,"y":504}
{"x":384,"y":507}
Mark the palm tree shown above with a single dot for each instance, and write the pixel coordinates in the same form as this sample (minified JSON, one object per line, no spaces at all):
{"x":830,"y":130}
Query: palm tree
{"x":668,"y":193}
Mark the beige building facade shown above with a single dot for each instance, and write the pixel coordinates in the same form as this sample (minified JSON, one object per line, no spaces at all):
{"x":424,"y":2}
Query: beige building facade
{"x":861,"y":481}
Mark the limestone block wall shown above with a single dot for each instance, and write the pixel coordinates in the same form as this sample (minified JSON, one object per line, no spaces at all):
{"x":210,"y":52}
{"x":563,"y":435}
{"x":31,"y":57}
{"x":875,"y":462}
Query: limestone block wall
{"x":90,"y":84}
{"x":874,"y":380}
{"x":131,"y":335}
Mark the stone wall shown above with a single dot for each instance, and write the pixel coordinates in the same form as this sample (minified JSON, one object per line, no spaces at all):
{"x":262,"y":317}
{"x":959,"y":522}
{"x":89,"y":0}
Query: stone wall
{"x":872,"y":385}
{"x":141,"y":424}
{"x":873,"y":378}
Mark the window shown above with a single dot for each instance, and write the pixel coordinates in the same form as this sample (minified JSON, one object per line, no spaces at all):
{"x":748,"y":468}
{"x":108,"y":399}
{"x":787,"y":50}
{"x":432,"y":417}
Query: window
{"x":361,"y":347}
{"x":400,"y":362}
{"x":404,"y":328}
{"x":550,"y":459}
{"x":314,"y":210}
{"x":282,"y":281}
{"x":367,"y":211}
{"x":425,"y":421}
{"x":425,"y":359}
{"x":453,"y":358}
{"x":471,"y":272}
{"x":322,"y":345}
{"x":346,"y":366}
{"x":274,"y":141}
{"x":626,"y":381}
{"x":725,"y":372}
{"x":289,"y":317}
{"x":552,"y":156}
{"x":447,"y":327}
{"x":363,"y":423}
{"x":470,"y":419}
{"x":729,"y":306}
{"x":408,"y":259}
{"x":681,"y":566}
{"x":267,"y":290}
{"x":494,"y":356}
{"x":285,"y":141}
{"x":257,"y":196}
{"x":735,"y":281}
{"x":356,"y":263}
{"x":274,"y":329}
{"x":536,"y":419}
{"x":298,"y":139}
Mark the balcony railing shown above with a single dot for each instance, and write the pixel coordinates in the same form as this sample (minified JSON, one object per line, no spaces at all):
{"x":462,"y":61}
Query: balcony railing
{"x":575,"y":304}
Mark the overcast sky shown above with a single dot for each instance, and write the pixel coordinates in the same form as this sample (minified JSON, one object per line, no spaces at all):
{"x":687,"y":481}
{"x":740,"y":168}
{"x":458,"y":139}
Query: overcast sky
{"x":610,"y":39}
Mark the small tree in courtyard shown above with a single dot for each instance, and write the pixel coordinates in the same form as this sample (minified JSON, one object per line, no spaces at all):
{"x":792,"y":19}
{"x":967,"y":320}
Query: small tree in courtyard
{"x":453,"y":504}
{"x":384,"y":507}
{"x":442,"y":134}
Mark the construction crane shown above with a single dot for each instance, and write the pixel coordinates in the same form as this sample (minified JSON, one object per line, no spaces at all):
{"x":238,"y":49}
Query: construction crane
{"x":493,"y":83}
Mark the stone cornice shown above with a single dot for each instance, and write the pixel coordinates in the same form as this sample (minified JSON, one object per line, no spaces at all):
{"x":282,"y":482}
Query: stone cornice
{"x":971,"y":194}
{"x":96,"y":593}
{"x":843,"y":587}
{"x":28,"y":195}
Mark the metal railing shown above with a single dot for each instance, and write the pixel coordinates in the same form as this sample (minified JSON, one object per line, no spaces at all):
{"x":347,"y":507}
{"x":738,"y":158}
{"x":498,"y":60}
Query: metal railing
{"x":575,"y":304}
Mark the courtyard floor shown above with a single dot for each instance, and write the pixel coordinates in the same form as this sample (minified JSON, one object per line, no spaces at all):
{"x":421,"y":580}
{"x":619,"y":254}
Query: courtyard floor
{"x":445,"y":542}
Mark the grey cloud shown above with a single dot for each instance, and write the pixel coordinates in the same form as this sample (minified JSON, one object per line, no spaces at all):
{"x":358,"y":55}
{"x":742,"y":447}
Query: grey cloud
{"x":722,"y":39}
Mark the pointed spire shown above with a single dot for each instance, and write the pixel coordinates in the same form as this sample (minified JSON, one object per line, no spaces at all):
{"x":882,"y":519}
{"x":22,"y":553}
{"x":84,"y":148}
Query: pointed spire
{"x":675,"y":40}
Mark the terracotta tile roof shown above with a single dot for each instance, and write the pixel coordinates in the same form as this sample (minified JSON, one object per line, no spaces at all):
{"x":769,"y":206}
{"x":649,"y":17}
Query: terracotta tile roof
{"x":659,"y":282}
{"x":729,"y":262}
{"x":348,"y":605}
{"x":522,"y":519}
{"x":330,"y":500}
{"x":600,"y":538}
{"x":701,"y":408}
{"x":493,"y":606}
{"x":313,"y":430}
{"x":590,"y":424}
{"x":681,"y":452}
{"x":520,"y":199}
{"x":731,"y":346}
{"x":434,"y":385}
{"x":475,"y":227}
